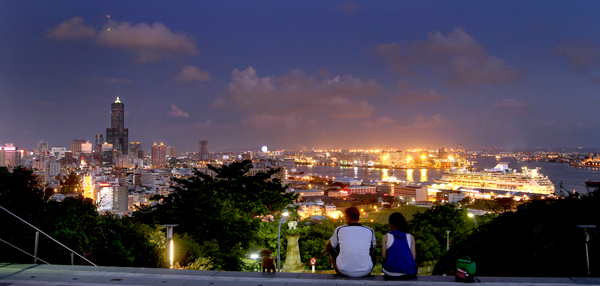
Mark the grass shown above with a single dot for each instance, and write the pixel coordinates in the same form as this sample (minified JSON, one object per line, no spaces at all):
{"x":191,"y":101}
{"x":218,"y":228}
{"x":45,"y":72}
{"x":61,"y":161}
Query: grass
{"x":383,"y":215}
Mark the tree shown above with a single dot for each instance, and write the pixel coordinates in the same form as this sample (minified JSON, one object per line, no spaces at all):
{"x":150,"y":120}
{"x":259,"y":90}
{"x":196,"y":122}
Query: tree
{"x":429,"y":229}
{"x":222,"y":213}
{"x":75,"y":222}
{"x":71,"y":184}
{"x":540,"y":239}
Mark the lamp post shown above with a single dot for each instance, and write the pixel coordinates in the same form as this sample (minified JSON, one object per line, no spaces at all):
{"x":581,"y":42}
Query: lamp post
{"x":587,"y":238}
{"x":474,"y":219}
{"x":169,"y":242}
{"x":284,"y":217}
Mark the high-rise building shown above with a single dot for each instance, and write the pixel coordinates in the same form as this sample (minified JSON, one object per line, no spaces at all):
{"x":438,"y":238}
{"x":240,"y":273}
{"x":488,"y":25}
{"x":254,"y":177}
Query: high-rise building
{"x":76,"y":146}
{"x":117,"y":134}
{"x":135,"y":150}
{"x":159,"y":156}
{"x":10,"y":155}
{"x":171,"y":151}
{"x":203,"y":149}
{"x":99,"y":139}
{"x":42,"y":148}
{"x":107,"y":155}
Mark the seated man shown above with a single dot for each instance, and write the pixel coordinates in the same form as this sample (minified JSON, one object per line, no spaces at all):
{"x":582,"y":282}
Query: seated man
{"x":350,"y":246}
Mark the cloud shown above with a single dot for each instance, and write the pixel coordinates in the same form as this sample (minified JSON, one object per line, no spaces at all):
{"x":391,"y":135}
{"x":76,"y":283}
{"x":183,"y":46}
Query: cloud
{"x":192,"y":73}
{"x":408,"y":96}
{"x":511,"y":106}
{"x":386,"y":120}
{"x":73,"y":29}
{"x":176,"y":112}
{"x":581,"y":54}
{"x":422,"y":123}
{"x":348,"y":7}
{"x":111,"y":80}
{"x":149,"y":43}
{"x":294,"y":98}
{"x":457,"y":57}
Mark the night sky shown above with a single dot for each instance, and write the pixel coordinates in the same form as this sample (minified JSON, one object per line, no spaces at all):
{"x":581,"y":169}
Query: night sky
{"x":303,"y":74}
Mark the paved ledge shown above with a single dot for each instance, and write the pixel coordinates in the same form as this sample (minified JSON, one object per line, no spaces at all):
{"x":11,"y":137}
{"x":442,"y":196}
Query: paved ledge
{"x":54,"y":275}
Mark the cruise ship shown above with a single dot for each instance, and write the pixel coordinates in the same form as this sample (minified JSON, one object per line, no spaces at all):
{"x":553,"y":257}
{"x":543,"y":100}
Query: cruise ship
{"x":500,"y":179}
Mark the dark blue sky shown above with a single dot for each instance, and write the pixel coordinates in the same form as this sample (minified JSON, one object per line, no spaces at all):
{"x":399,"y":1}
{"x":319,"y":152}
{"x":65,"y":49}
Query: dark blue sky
{"x":303,"y":74}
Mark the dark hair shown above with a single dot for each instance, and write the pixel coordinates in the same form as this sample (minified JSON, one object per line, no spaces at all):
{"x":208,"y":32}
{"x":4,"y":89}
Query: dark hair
{"x":352,"y":213}
{"x":399,"y":222}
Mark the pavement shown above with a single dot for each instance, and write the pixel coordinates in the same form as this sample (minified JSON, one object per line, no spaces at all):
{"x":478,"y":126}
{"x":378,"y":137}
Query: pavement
{"x":55,"y":275}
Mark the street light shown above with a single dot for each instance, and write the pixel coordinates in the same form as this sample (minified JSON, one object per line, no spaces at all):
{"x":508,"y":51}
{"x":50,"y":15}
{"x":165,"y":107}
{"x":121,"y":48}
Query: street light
{"x":284,"y":217}
{"x":587,"y":238}
{"x":169,"y":241}
{"x":474,"y":219}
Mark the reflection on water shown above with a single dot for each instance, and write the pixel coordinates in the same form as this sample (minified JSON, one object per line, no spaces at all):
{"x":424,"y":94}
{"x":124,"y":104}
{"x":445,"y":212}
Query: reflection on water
{"x":384,"y":174}
{"x":423,"y":175}
{"x":409,"y":175}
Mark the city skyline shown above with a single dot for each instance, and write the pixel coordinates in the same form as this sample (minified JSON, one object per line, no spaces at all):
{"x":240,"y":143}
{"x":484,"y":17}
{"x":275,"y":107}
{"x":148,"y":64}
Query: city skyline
{"x":303,"y":75}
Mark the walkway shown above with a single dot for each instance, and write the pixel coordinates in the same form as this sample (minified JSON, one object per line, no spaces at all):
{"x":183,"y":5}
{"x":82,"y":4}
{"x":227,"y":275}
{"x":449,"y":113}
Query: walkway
{"x":54,"y":275}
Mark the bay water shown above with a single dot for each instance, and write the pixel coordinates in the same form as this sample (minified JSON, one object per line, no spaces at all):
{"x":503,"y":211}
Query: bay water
{"x":573,"y":179}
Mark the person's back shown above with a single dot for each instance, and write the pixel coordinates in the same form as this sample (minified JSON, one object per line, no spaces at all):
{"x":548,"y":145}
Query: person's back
{"x":350,"y":246}
{"x":355,"y":241}
{"x":398,"y":249}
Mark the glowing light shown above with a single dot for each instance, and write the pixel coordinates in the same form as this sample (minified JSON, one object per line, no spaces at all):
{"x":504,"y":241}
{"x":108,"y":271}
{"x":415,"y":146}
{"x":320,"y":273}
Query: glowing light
{"x":171,"y":253}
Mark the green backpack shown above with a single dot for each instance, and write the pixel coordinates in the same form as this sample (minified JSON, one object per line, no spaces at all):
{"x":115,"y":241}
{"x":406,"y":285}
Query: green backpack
{"x":465,"y":270}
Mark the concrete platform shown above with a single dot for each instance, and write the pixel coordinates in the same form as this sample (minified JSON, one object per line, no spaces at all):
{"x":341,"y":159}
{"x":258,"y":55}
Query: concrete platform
{"x":54,"y":275}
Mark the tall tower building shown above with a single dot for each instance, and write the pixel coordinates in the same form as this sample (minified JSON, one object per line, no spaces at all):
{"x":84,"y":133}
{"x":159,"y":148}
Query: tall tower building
{"x":203,"y":149}
{"x":159,"y":155}
{"x":117,"y":134}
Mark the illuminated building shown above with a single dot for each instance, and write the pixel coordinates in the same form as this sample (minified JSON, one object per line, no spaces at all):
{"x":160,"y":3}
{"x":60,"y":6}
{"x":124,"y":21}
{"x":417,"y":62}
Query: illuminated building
{"x":136,"y":150}
{"x":107,"y":155}
{"x":171,"y":151}
{"x":203,"y":149}
{"x":42,"y":148}
{"x":361,"y":190}
{"x":117,"y":134}
{"x":159,"y":156}
{"x":88,"y":187}
{"x":112,"y":198}
{"x":76,"y":146}
{"x":10,"y":155}
{"x":59,"y":152}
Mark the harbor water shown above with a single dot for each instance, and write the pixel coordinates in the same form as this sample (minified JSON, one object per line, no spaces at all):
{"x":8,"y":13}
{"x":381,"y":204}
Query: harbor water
{"x":571,"y":178}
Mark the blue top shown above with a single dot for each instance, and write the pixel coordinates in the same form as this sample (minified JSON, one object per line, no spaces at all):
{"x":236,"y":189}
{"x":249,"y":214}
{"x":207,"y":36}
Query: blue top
{"x":399,"y":259}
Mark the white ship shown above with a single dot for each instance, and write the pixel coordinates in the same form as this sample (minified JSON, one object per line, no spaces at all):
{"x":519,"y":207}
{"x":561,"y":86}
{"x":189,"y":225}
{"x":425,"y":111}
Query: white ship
{"x":500,"y":178}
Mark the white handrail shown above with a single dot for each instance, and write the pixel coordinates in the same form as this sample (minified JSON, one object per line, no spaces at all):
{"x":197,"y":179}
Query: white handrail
{"x":24,"y":251}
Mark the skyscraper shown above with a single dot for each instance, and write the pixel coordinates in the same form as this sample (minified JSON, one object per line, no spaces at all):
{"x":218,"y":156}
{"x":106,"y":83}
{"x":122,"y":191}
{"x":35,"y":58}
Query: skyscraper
{"x":136,"y":150}
{"x":203,"y":149}
{"x":42,"y":148}
{"x":159,"y":155}
{"x":76,"y":146}
{"x":117,"y":134}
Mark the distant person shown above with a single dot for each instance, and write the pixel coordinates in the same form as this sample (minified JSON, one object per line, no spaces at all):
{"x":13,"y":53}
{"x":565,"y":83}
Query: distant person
{"x":351,"y":246}
{"x":398,"y":249}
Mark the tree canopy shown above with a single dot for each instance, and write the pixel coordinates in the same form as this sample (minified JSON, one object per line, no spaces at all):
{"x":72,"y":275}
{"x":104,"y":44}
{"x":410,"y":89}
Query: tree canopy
{"x":222,"y":212}
{"x":541,"y":238}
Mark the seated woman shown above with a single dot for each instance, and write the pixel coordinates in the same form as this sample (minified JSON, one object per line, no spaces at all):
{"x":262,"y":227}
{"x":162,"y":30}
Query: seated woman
{"x":398,"y":249}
